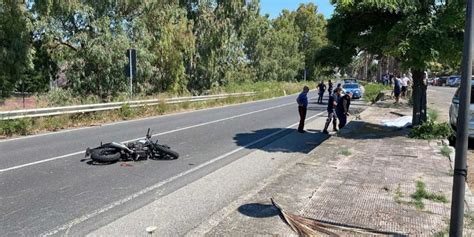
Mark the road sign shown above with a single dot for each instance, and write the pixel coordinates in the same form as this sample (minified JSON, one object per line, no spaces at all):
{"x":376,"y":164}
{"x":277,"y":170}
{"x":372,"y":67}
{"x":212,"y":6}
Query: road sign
{"x":131,"y":68}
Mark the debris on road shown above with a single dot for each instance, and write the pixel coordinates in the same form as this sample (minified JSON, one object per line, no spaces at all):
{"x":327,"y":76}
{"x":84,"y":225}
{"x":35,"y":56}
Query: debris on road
{"x":310,"y":227}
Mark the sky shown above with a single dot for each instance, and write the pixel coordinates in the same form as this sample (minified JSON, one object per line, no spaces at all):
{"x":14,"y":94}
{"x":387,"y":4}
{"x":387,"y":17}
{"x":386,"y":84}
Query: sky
{"x":274,"y":7}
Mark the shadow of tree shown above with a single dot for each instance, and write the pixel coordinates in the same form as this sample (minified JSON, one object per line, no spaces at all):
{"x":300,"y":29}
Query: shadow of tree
{"x":300,"y":143}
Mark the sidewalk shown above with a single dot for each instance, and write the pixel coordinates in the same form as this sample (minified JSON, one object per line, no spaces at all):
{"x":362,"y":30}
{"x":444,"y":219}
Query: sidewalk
{"x":365,"y":176}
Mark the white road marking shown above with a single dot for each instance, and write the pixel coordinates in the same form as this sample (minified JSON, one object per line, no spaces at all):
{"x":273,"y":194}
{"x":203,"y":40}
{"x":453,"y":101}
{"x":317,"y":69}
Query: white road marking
{"x":41,"y":161}
{"x":158,"y":134}
{"x":160,"y":184}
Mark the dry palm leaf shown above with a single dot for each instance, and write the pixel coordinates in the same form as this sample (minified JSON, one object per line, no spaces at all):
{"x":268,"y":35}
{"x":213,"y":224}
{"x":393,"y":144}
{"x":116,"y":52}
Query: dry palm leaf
{"x":310,"y":227}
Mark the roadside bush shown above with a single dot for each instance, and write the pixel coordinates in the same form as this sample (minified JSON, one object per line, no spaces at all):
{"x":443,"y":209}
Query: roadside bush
{"x":55,"y":123}
{"x":15,"y":126}
{"x":126,"y":111}
{"x":430,"y":130}
{"x":60,"y":97}
{"x":372,"y":90}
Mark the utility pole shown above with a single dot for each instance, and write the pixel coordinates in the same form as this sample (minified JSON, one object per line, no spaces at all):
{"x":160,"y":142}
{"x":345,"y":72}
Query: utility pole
{"x":460,"y":168}
{"x":131,"y":72}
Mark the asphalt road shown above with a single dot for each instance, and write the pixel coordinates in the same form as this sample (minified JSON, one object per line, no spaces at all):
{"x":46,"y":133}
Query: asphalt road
{"x":48,"y":188}
{"x":439,"y":99}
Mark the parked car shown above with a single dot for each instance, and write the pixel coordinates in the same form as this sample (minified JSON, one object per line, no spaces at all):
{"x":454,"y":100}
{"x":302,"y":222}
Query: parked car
{"x":454,"y":81}
{"x":431,"y":81}
{"x":441,"y":81}
{"x":453,"y":111}
{"x":354,"y":88}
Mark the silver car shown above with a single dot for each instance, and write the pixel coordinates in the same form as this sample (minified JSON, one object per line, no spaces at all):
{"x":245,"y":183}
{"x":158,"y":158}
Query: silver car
{"x":453,"y":112}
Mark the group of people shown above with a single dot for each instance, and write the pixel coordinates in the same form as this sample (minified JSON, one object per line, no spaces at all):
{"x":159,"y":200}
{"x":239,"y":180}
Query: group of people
{"x":322,"y":89}
{"x":400,"y":85}
{"x":338,"y":106}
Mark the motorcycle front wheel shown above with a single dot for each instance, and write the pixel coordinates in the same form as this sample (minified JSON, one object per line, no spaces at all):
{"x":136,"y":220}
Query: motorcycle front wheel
{"x":165,"y":150}
{"x":105,"y":155}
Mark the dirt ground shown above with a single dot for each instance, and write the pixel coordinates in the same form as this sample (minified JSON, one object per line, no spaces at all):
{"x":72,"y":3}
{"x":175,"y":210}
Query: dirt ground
{"x":14,"y":103}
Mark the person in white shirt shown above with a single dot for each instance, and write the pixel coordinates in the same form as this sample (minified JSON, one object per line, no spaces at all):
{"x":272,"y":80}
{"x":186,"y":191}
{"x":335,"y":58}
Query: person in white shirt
{"x":405,"y":81}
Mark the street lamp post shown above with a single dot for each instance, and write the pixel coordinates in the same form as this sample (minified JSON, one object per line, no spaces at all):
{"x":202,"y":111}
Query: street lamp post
{"x":460,"y":168}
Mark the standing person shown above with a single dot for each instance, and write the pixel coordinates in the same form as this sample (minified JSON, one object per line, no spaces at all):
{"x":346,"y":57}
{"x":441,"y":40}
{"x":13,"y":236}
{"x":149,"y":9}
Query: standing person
{"x":322,"y":89}
{"x":405,"y":81}
{"x":302,"y":101}
{"x":385,"y":79}
{"x":342,"y":109}
{"x":332,"y":103}
{"x":330,"y":88}
{"x":397,"y":88}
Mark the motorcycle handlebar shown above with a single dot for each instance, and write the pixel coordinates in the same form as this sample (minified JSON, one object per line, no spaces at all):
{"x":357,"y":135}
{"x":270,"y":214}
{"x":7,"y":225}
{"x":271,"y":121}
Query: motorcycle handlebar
{"x":148,"y":135}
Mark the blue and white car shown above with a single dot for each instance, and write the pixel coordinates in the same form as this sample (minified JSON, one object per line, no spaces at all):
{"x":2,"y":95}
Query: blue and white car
{"x":355,"y":88}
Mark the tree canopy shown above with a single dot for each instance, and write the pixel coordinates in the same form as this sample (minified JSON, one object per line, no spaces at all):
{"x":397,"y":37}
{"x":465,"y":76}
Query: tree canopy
{"x":183,"y":46}
{"x":418,"y":33}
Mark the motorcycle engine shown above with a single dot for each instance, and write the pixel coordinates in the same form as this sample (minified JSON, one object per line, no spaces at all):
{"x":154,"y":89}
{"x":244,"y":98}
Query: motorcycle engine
{"x":139,"y":149}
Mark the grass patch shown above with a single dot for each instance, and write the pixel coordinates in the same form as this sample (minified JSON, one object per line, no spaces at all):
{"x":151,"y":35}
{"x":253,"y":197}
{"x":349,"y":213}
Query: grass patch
{"x":421,"y":194}
{"x":433,"y":114}
{"x":469,"y":220}
{"x":16,"y":126}
{"x":430,"y":130}
{"x":442,"y":233}
{"x":372,"y":91}
{"x":445,"y":151}
{"x":398,"y":195}
{"x":345,"y":152}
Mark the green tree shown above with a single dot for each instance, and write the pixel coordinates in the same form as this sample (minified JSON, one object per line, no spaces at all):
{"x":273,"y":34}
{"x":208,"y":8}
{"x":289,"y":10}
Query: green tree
{"x":170,"y":47}
{"x":313,"y":28}
{"x":417,"y":33}
{"x":278,"y":55}
{"x":15,"y":45}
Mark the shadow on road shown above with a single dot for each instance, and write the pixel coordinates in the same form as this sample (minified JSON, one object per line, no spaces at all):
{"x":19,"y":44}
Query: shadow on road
{"x":91,"y":162}
{"x":302,"y":143}
{"x":258,"y":210}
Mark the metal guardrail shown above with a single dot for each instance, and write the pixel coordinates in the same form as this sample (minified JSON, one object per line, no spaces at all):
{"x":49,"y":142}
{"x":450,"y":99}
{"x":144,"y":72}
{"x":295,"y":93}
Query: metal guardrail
{"x":44,"y":112}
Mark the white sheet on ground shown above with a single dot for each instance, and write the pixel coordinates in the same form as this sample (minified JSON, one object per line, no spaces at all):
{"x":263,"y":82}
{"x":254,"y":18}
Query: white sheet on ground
{"x":401,"y":122}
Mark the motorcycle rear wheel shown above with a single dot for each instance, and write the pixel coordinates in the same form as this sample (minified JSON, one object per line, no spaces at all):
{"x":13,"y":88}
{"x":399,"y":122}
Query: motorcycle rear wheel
{"x":105,"y":155}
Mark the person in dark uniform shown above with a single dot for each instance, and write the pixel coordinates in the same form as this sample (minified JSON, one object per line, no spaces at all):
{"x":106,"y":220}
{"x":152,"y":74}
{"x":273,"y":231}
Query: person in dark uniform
{"x":397,"y":89}
{"x":302,"y":101}
{"x":338,"y":86}
{"x":321,"y":90}
{"x":331,"y":114}
{"x":330,"y":88}
{"x":342,"y":109}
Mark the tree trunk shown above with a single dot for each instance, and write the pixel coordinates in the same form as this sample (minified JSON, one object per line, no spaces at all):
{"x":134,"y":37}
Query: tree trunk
{"x":419,"y":97}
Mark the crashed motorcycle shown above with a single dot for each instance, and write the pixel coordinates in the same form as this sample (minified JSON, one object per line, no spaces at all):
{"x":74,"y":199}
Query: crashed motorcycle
{"x":138,"y":150}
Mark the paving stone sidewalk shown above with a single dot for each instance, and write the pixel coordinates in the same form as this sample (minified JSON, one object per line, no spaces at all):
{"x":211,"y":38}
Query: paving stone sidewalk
{"x":364,"y":176}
